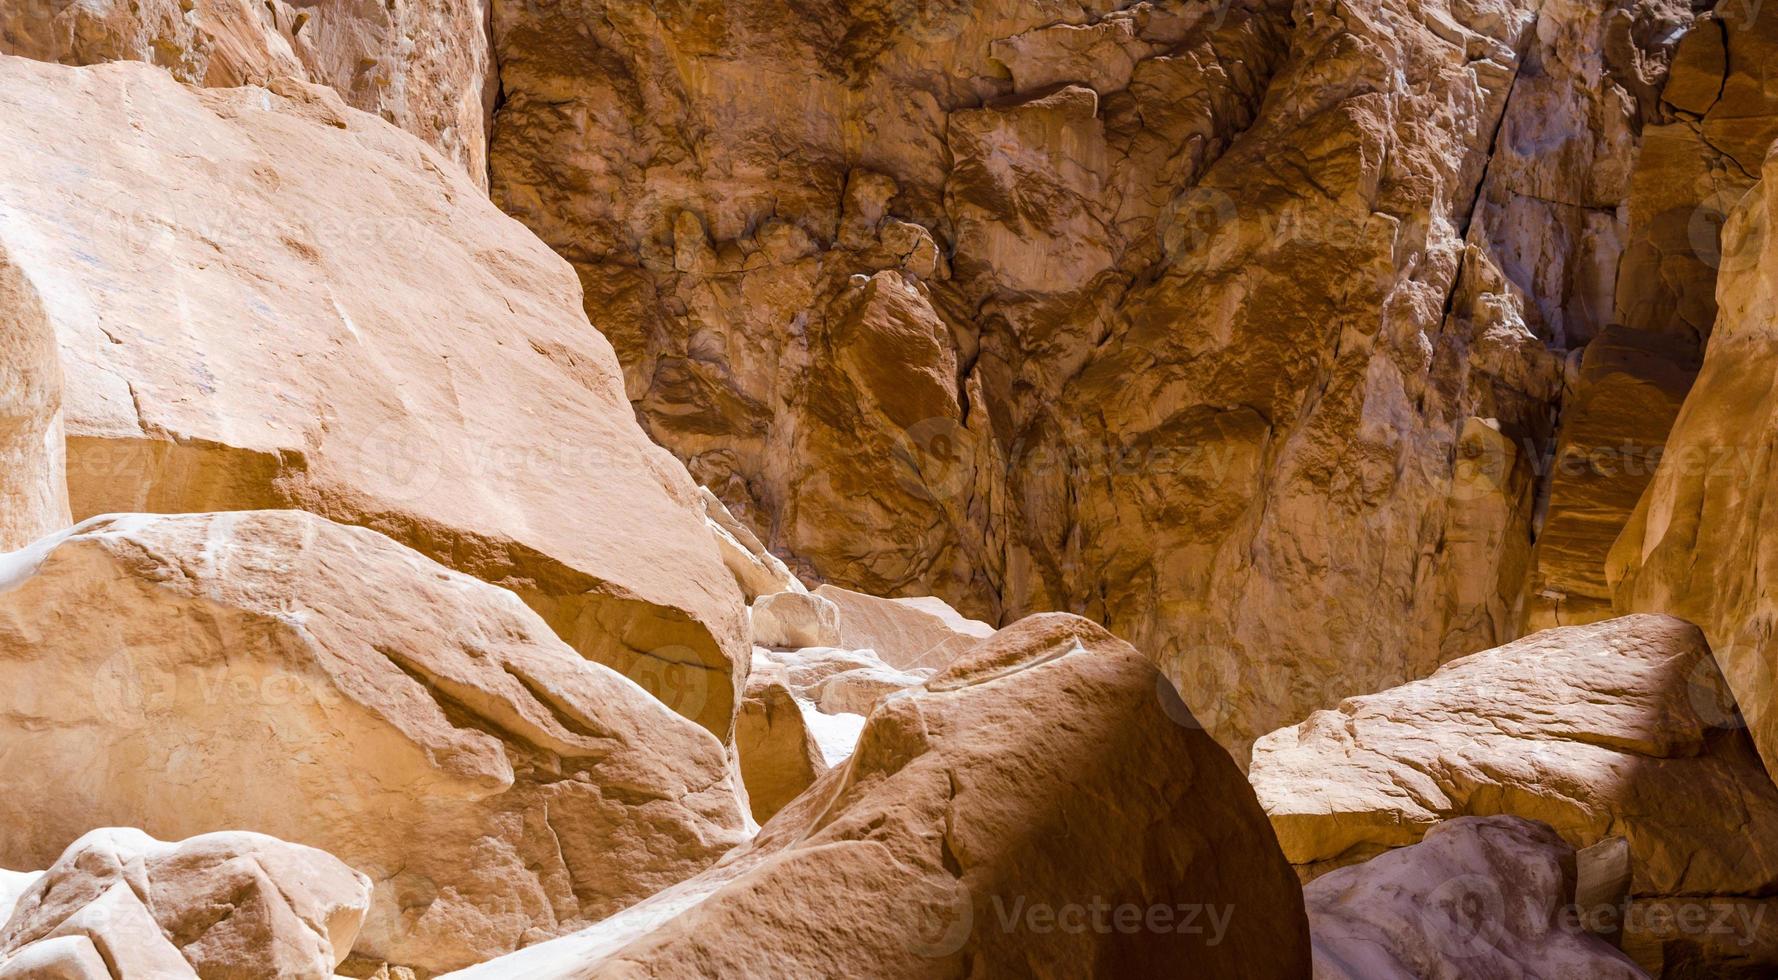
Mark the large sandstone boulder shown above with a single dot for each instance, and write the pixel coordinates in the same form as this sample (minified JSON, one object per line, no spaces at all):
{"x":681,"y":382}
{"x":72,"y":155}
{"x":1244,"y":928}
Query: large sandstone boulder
{"x":357,"y":333}
{"x":1617,"y":729}
{"x":424,"y":66}
{"x":1478,"y":898}
{"x":1189,"y":318}
{"x":275,"y":672}
{"x":120,"y":905}
{"x":1044,"y":804}
{"x":1701,"y":545}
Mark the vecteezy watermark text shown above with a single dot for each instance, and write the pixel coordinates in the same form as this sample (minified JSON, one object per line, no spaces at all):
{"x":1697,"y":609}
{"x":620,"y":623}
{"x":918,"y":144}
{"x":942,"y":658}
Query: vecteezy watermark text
{"x":1104,"y":918}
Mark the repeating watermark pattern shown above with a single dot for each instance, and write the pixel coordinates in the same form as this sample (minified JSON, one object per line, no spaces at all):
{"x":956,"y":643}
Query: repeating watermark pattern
{"x":1472,"y":917}
{"x":1103,"y":917}
{"x":948,"y":921}
{"x":1736,"y":922}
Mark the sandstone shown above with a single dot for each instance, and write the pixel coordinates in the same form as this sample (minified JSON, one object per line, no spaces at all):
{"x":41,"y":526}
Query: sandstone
{"x":779,"y":755}
{"x":858,"y":691}
{"x":906,"y":633}
{"x":12,"y":885}
{"x":795,"y":619}
{"x":1622,"y":728}
{"x":1700,"y":545}
{"x":1239,"y":330}
{"x":119,"y":904}
{"x":275,"y":672}
{"x":1705,"y":142}
{"x":1614,"y":432}
{"x":424,"y":66}
{"x":358,"y":333}
{"x":1477,"y":897}
{"x":33,"y":487}
{"x":933,"y":853}
{"x":756,"y":570}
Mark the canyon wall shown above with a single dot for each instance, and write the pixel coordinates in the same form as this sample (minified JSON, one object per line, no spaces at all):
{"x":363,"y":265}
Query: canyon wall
{"x":1242,"y":330}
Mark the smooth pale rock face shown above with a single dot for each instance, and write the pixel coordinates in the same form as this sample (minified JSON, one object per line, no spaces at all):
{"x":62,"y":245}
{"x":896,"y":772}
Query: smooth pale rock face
{"x":357,"y":333}
{"x":1478,"y":898}
{"x":779,"y":755}
{"x":795,"y":619}
{"x":805,"y":670}
{"x":858,"y":691}
{"x":1617,"y":729}
{"x":919,"y":632}
{"x":276,"y":672}
{"x":756,"y":570}
{"x":1191,"y":320}
{"x":33,"y":487}
{"x":228,"y":904}
{"x":1701,"y":544}
{"x":934,"y":851}
{"x":424,"y":66}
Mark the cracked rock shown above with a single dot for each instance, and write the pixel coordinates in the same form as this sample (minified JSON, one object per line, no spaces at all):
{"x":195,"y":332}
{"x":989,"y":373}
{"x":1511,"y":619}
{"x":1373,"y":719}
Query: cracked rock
{"x":969,"y":828}
{"x":275,"y":672}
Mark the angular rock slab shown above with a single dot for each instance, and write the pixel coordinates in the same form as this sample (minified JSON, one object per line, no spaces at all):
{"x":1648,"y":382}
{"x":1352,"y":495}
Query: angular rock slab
{"x":779,"y":755}
{"x":228,"y":904}
{"x":276,"y":672}
{"x":1478,"y":897}
{"x":1043,"y":802}
{"x":922,"y":631}
{"x":1616,"y":729}
{"x":357,"y":333}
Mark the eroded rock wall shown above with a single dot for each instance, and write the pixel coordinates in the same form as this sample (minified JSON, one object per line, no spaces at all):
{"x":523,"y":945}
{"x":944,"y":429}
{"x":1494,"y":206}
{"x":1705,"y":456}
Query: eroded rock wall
{"x":1239,"y":329}
{"x":1701,"y":152}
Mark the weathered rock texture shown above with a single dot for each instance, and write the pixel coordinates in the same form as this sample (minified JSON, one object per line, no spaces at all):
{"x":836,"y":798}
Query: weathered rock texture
{"x":357,"y":333}
{"x":424,"y":65}
{"x":794,"y":619}
{"x":756,"y":570}
{"x":276,"y":672}
{"x":966,"y":811}
{"x":779,"y":755}
{"x":1617,"y":729}
{"x":33,"y":487}
{"x":1238,"y":329}
{"x":908,"y":633}
{"x":1700,"y":154}
{"x":1700,"y":545}
{"x":1479,"y":897}
{"x":120,"y":905}
{"x":1613,"y":434}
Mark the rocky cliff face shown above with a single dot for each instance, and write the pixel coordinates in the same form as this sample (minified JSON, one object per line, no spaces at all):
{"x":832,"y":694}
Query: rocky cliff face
{"x":1187,"y":319}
